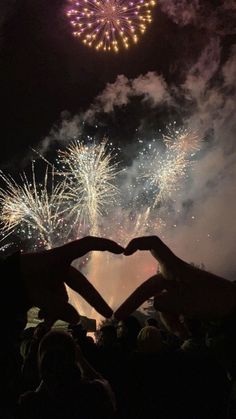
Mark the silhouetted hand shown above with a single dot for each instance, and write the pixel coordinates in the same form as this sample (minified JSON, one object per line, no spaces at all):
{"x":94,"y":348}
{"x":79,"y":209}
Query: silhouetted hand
{"x":179,"y":288}
{"x":45,"y":274}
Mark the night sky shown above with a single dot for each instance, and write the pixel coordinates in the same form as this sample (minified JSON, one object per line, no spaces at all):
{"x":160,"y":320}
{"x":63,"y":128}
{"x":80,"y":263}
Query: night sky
{"x":45,"y":71}
{"x":54,"y":89}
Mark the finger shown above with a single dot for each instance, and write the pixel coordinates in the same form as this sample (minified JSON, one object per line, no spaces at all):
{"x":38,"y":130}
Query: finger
{"x":101,"y":244}
{"x":139,"y":243}
{"x":80,"y":247}
{"x":79,"y":283}
{"x":148,"y":289}
{"x":159,"y":250}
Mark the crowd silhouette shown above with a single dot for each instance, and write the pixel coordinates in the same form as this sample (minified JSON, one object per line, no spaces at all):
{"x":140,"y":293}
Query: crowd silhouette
{"x":179,"y":365}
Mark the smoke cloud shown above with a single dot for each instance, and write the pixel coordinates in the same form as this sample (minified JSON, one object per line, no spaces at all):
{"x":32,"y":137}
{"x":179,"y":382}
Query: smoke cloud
{"x":203,"y":14}
{"x":200,"y":226}
{"x":211,"y":236}
{"x":149,"y":87}
{"x":205,"y":232}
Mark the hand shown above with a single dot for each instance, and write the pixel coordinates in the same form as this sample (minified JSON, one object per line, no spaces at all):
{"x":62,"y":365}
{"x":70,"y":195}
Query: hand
{"x":45,"y":274}
{"x":179,"y":288}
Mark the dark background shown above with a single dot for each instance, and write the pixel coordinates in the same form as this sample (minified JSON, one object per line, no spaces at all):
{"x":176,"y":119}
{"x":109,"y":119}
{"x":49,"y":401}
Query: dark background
{"x":45,"y":71}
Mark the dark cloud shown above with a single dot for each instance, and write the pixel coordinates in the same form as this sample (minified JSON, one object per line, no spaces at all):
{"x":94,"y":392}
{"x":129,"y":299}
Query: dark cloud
{"x":214,"y":16}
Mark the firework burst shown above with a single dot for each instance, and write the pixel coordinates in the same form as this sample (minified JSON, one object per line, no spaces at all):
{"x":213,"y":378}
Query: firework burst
{"x":182,"y":140}
{"x":109,"y":25}
{"x":33,"y":209}
{"x":91,"y":173}
{"x":85,"y":200}
{"x":166,"y":169}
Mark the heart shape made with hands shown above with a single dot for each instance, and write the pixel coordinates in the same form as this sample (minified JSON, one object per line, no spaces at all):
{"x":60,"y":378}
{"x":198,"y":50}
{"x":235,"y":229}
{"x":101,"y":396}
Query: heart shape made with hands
{"x":179,"y":288}
{"x":138,"y":289}
{"x":46,"y":275}
{"x":115,"y":277}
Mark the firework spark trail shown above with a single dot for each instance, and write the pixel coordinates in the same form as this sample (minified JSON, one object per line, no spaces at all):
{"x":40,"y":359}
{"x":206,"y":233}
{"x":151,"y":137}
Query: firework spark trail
{"x":91,"y":189}
{"x":182,"y":140}
{"x":32,"y":209}
{"x":87,"y":195}
{"x":167,"y":169}
{"x":91,"y":172}
{"x":171,"y":168}
{"x":141,"y":224}
{"x":6,"y":246}
{"x":109,"y":24}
